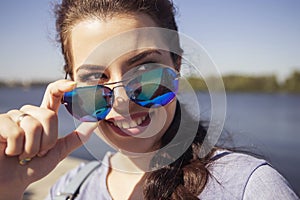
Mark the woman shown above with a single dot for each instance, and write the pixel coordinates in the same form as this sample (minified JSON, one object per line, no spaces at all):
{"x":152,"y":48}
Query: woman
{"x":128,"y":118}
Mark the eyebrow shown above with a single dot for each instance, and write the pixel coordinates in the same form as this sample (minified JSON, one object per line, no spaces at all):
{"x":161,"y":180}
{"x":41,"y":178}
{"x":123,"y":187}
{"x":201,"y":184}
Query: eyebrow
{"x":131,"y":61}
{"x":90,"y":67}
{"x":142,"y":55}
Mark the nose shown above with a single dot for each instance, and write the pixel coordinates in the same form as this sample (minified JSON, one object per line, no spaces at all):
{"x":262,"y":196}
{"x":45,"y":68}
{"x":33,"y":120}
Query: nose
{"x":121,"y":100}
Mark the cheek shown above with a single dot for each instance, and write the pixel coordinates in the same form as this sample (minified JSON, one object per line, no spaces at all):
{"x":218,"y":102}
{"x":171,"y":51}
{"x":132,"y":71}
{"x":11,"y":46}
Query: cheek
{"x":161,"y":121}
{"x":170,"y":110}
{"x":164,"y":117}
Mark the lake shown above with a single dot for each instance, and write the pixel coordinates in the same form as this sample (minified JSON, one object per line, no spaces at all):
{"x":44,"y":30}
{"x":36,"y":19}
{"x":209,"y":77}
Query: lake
{"x":267,"y":124}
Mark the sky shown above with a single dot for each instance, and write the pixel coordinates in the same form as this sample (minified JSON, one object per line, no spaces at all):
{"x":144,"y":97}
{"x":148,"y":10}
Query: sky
{"x":254,"y":37}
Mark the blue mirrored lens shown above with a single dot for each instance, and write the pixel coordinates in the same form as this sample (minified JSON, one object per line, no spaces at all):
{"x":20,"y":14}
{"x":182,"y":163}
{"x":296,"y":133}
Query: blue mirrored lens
{"x":153,"y":88}
{"x":89,"y":104}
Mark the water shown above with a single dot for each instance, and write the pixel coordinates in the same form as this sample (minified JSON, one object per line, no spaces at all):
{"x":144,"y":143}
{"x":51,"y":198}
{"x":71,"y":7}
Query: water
{"x":267,"y":124}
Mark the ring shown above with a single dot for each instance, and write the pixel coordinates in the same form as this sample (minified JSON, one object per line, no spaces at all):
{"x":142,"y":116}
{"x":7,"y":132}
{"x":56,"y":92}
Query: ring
{"x":21,"y":117}
{"x":24,"y":161}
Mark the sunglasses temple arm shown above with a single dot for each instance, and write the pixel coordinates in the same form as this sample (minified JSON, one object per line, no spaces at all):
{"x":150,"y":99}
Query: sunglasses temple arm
{"x":62,"y":99}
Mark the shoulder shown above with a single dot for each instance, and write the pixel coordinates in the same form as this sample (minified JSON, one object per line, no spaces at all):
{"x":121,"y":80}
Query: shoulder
{"x":226,"y":165}
{"x":266,"y":183}
{"x":231,"y":176}
{"x":90,"y":187}
{"x":63,"y":181}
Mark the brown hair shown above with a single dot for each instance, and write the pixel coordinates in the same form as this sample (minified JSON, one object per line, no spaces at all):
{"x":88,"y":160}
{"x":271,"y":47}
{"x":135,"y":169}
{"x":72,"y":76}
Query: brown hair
{"x":71,"y":12}
{"x":186,"y":177}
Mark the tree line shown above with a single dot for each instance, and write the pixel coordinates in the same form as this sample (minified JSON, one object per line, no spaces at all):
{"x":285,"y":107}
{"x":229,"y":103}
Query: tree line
{"x":232,"y":83}
{"x":242,"y":83}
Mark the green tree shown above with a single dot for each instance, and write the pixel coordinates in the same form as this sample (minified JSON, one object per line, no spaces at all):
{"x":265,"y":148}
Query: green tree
{"x":292,"y":83}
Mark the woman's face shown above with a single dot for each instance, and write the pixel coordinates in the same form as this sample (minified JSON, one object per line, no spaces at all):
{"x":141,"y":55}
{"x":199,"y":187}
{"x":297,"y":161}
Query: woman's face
{"x":128,"y":126}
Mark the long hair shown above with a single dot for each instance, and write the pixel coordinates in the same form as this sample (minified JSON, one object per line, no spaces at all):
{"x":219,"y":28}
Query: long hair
{"x":186,"y":177}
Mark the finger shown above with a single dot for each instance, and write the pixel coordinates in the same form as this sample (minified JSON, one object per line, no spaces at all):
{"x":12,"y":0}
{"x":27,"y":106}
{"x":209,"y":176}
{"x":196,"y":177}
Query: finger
{"x":33,"y":132}
{"x":75,"y":139}
{"x":15,"y":142}
{"x":49,"y":122}
{"x":54,"y":93}
{"x":50,"y":134}
{"x":12,"y":135}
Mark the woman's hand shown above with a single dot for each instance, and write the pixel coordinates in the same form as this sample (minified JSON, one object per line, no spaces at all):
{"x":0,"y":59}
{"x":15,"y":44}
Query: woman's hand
{"x":34,"y":136}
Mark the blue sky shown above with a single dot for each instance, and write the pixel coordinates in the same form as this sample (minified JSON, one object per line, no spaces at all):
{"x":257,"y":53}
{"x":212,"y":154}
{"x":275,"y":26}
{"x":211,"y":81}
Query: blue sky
{"x":254,"y":37}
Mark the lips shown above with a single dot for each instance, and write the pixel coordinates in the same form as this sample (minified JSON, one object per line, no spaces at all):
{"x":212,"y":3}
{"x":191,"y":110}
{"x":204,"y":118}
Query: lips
{"x":133,"y":125}
{"x":130,"y":124}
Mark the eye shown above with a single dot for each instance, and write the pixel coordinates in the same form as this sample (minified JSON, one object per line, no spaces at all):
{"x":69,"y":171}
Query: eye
{"x":94,"y":77}
{"x":141,"y":67}
{"x":147,"y":67}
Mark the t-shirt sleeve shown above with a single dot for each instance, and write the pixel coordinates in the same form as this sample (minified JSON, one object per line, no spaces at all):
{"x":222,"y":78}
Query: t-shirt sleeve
{"x":266,"y":183}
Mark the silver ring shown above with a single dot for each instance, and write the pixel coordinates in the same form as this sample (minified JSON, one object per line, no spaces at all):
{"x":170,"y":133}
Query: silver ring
{"x":21,"y":117}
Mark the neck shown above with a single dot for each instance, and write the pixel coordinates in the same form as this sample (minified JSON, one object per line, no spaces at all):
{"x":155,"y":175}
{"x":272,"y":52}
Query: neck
{"x":130,"y":164}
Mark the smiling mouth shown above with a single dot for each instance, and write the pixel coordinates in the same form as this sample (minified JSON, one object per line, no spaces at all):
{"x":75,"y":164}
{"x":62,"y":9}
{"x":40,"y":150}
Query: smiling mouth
{"x":130,"y":124}
{"x":129,"y":127}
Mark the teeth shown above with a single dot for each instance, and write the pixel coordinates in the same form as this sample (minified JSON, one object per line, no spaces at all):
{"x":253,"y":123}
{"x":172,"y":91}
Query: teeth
{"x":125,"y":125}
{"x":119,"y":124}
{"x":139,"y":121}
{"x":131,"y":124}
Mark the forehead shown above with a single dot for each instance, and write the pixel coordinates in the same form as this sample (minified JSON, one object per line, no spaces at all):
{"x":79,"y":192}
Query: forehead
{"x":94,"y":40}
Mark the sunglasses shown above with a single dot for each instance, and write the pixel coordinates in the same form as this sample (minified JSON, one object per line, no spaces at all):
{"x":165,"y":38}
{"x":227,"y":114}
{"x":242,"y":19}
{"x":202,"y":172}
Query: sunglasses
{"x":151,"y":85}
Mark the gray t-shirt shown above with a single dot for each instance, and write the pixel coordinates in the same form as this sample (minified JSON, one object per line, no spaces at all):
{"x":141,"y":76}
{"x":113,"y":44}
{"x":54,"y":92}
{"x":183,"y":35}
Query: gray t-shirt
{"x":233,"y":176}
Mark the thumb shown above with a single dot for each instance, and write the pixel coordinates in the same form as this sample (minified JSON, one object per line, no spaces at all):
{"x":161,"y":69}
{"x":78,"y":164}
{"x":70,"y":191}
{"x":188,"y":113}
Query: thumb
{"x":54,"y":93}
{"x":74,"y":140}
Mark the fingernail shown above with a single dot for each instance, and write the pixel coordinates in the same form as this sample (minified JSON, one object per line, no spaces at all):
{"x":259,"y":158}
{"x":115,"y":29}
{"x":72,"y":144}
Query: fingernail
{"x":24,"y":161}
{"x":72,"y":83}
